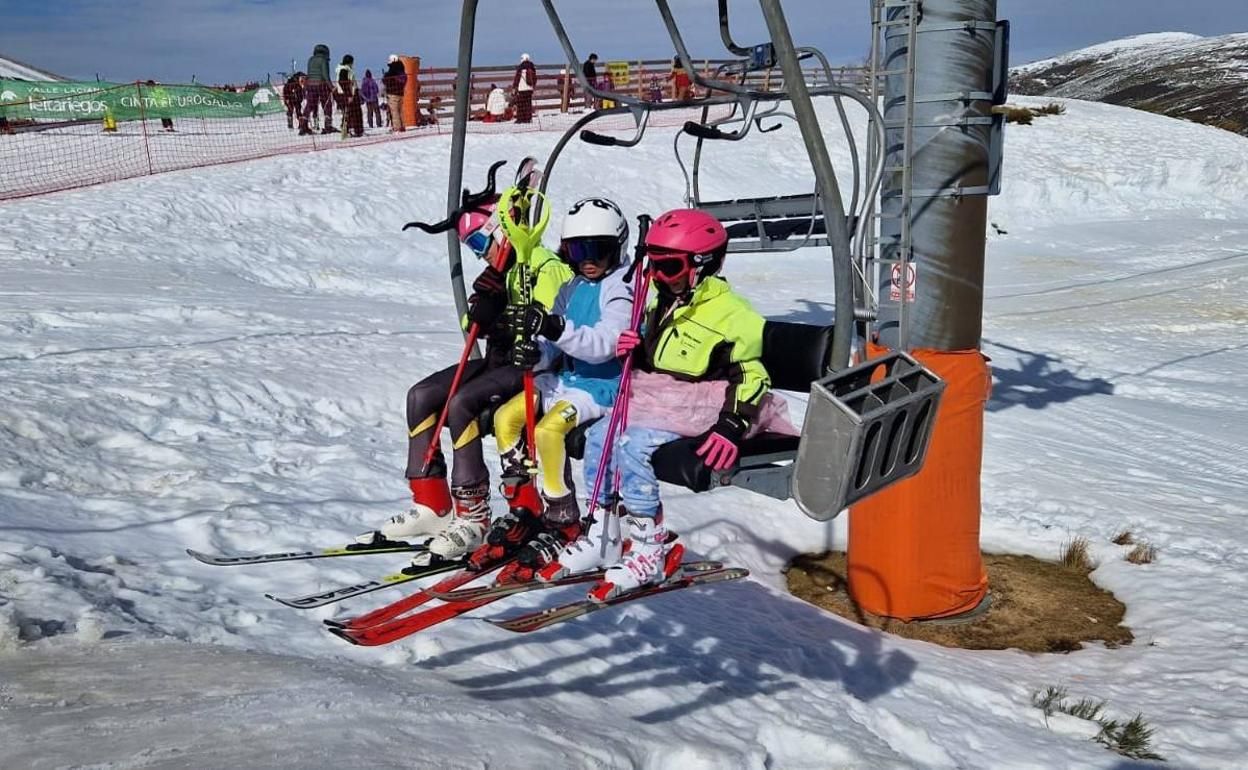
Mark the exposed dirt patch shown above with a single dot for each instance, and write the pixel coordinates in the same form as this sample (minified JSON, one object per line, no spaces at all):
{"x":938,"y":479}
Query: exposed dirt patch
{"x":1037,"y":606}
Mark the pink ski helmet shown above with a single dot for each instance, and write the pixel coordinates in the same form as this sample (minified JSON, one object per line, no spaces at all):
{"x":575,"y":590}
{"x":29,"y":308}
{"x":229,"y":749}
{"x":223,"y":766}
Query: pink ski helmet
{"x":478,"y":226}
{"x":686,"y":242}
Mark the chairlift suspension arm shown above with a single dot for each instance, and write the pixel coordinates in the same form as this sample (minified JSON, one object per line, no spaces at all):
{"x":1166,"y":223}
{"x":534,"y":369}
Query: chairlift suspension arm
{"x":830,"y":195}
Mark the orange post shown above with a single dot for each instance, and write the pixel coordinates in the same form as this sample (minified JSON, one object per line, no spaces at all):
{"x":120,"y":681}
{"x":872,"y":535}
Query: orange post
{"x":411,"y":92}
{"x":914,"y":547}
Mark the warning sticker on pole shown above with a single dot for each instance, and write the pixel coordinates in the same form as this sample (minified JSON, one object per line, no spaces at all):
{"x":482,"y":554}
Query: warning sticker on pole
{"x":894,"y":289}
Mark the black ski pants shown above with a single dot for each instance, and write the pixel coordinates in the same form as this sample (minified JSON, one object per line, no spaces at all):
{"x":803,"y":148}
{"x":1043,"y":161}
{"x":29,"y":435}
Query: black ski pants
{"x":483,"y":384}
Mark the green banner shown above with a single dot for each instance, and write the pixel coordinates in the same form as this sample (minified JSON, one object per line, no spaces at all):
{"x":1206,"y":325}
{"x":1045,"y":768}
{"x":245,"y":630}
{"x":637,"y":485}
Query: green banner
{"x":66,"y":100}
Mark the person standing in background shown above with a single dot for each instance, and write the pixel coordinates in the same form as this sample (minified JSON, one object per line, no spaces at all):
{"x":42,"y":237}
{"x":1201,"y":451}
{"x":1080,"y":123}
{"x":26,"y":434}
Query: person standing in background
{"x":590,"y":70}
{"x":166,"y":122}
{"x":682,"y":86}
{"x":523,"y":84}
{"x":349,"y":101}
{"x":292,"y":96}
{"x":395,"y":80}
{"x":371,"y":91}
{"x":318,"y":91}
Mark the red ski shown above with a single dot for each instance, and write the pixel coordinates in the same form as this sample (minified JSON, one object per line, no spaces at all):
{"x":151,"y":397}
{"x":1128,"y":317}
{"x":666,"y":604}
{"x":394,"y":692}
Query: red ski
{"x":399,"y":628}
{"x":408,"y":603}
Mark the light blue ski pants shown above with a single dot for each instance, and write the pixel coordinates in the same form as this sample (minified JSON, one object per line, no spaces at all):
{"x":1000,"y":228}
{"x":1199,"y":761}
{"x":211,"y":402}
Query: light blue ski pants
{"x":639,"y":487}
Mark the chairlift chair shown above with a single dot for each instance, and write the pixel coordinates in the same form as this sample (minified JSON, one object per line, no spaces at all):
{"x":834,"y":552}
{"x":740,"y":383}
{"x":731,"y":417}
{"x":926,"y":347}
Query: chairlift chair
{"x":842,"y":443}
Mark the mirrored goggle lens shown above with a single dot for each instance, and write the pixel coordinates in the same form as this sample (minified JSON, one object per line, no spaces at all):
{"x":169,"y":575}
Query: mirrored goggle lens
{"x":593,"y":250}
{"x":669,"y":265}
{"x":479,"y":242}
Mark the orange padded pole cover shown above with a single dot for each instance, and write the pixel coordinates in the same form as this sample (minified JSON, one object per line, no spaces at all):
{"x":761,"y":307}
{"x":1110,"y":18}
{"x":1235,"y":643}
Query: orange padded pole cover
{"x":411,"y":92}
{"x":914,"y":548}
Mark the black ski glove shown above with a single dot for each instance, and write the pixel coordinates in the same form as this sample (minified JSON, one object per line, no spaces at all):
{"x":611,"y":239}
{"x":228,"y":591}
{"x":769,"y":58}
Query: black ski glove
{"x":531,"y":320}
{"x":489,"y":298}
{"x":485,"y":309}
{"x":490,"y":282}
{"x":526,"y":353}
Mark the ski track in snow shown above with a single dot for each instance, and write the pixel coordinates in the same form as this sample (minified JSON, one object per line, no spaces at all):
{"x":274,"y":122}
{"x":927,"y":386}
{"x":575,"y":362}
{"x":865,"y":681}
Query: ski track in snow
{"x":217,"y":360}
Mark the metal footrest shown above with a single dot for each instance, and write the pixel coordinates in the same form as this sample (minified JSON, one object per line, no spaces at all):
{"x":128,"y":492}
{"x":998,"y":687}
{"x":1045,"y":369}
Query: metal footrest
{"x":866,"y":427}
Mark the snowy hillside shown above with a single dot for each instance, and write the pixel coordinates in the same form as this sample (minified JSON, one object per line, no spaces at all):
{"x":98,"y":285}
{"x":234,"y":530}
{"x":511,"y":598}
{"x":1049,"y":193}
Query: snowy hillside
{"x":1202,"y":79}
{"x":10,"y":68}
{"x":217,"y":359}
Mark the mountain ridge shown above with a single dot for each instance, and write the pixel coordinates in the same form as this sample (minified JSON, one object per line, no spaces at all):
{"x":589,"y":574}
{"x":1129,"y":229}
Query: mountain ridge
{"x":1201,"y":79}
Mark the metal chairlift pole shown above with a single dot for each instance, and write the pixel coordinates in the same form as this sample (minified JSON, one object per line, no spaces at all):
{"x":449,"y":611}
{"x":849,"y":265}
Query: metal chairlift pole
{"x":455,"y":179}
{"x":829,"y":193}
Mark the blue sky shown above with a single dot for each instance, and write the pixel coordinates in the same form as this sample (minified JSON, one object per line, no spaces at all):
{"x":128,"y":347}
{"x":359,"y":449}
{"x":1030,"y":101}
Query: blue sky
{"x":237,"y":40}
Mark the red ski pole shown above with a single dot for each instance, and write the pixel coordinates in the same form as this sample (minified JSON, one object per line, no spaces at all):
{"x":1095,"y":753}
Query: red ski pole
{"x":500,"y":262}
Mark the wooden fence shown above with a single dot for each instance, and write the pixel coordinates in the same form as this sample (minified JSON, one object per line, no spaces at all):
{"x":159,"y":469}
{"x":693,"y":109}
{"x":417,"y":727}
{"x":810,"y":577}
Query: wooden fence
{"x":557,"y":90}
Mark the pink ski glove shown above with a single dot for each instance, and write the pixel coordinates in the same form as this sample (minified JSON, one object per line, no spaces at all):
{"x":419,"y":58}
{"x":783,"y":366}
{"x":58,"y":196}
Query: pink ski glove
{"x":718,"y":453}
{"x":723,"y":442}
{"x":628,"y":340}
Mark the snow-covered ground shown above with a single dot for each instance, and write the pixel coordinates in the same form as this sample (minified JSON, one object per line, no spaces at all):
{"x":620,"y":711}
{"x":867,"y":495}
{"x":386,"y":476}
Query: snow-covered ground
{"x":217,"y":359}
{"x":15,"y":69}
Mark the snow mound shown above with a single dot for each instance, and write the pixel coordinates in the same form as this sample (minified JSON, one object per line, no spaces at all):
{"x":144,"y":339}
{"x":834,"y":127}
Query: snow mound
{"x":1103,"y":162}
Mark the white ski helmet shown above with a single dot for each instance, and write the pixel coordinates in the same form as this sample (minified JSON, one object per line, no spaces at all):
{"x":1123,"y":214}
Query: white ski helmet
{"x":594,"y":228}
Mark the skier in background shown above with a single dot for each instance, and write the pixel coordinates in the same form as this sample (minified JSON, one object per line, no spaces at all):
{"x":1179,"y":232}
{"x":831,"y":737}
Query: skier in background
{"x":292,"y":97}
{"x":522,"y":86}
{"x":395,"y":80}
{"x":318,"y":92}
{"x":370,"y":92}
{"x":348,"y":96}
{"x":579,"y":331}
{"x":589,"y":68}
{"x":682,"y":86}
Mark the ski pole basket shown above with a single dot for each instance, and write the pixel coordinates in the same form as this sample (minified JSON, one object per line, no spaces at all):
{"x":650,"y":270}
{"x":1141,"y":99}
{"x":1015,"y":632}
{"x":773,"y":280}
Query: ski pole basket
{"x":866,"y":427}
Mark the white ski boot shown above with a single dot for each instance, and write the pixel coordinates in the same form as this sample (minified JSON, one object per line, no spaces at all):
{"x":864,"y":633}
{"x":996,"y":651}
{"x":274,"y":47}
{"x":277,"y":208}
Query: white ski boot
{"x":600,"y":545}
{"x":429,"y":514}
{"x":466,"y":531}
{"x":650,"y":559}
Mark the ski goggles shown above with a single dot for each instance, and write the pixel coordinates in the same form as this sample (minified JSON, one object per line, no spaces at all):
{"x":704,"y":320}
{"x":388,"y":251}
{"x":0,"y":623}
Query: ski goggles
{"x":669,"y":265}
{"x":577,"y":250}
{"x":478,"y":241}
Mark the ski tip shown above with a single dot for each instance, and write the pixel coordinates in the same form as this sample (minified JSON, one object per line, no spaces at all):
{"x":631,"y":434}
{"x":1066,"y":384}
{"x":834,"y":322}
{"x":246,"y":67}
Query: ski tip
{"x":343,"y":634}
{"x":335,"y":624}
{"x":202,"y":557}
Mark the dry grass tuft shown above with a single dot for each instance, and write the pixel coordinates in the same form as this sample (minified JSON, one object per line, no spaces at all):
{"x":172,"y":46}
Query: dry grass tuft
{"x":1014,"y":114}
{"x":1132,"y":739}
{"x":1075,"y":556}
{"x":1123,"y":538}
{"x":1052,"y":108}
{"x":1142,"y":553}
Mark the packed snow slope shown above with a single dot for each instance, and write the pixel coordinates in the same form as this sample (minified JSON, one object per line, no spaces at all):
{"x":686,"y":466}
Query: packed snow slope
{"x":218,"y":360}
{"x":1203,"y":79}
